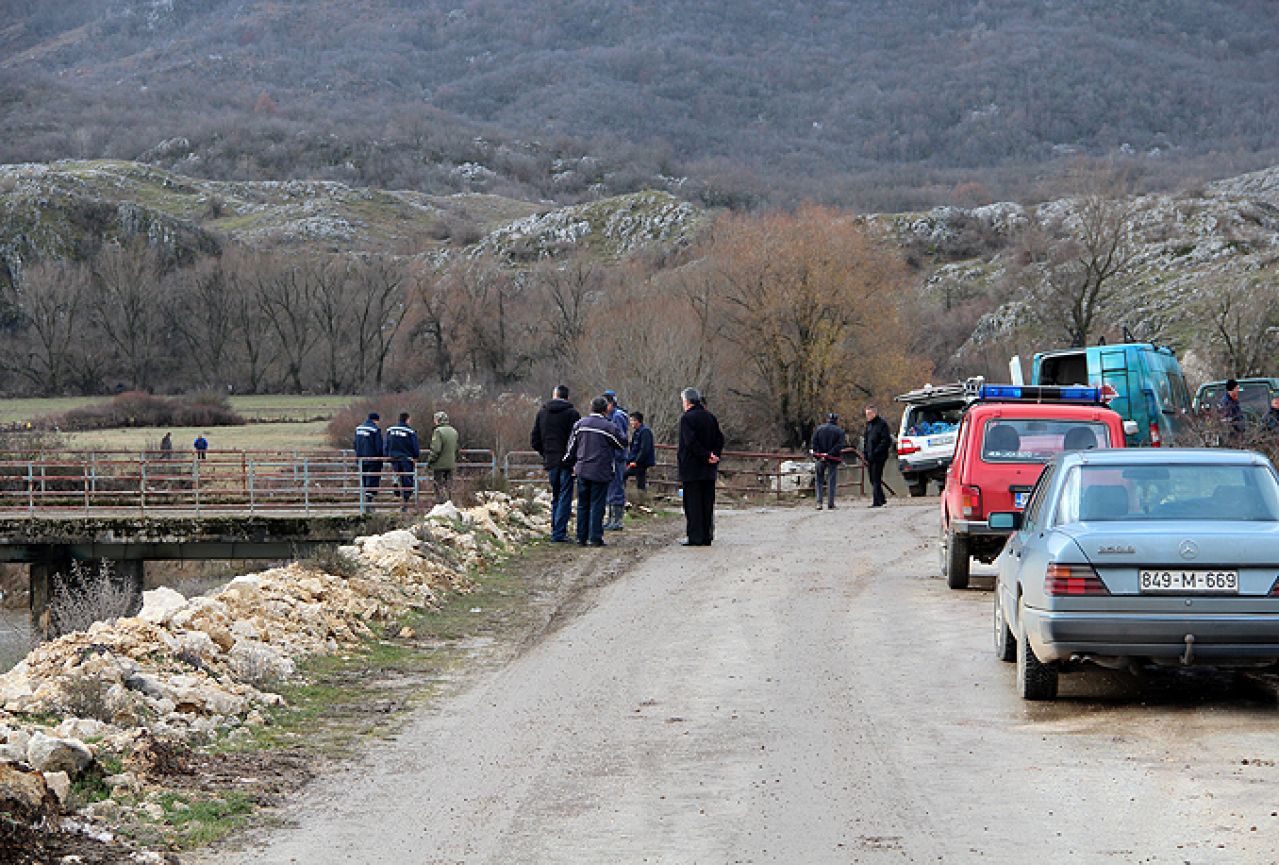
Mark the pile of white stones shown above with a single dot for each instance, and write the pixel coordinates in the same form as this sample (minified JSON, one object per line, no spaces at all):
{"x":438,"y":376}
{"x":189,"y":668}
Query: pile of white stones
{"x":185,"y":668}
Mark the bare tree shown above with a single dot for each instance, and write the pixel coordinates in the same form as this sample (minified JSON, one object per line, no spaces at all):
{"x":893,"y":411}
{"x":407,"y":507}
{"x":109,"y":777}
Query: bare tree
{"x":330,"y":297}
{"x":496,"y":325}
{"x":379,"y":307}
{"x":1075,"y":264}
{"x":1244,"y":317}
{"x":248,"y":276}
{"x":50,"y":307}
{"x":128,"y":305}
{"x":564,"y":293}
{"x":286,"y":299}
{"x":204,"y":318}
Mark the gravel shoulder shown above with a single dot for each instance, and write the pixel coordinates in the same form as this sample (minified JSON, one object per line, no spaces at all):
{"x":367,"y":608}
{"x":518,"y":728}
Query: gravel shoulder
{"x":807,"y":690}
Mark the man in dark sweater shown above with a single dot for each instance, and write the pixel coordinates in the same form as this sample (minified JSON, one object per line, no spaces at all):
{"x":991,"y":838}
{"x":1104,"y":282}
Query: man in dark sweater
{"x":827,"y":448}
{"x":550,"y":437}
{"x":876,"y":443}
{"x":592,"y":450}
{"x":700,"y":446}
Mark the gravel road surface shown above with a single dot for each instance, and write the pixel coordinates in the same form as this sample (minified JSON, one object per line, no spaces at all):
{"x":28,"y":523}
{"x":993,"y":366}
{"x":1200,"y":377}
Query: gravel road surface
{"x":805,"y":691}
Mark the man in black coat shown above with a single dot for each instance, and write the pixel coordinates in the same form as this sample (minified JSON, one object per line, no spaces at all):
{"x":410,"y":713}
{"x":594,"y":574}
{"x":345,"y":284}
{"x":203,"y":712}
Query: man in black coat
{"x":700,"y":446}
{"x":827,"y":448}
{"x":877,"y":442}
{"x":549,"y":438}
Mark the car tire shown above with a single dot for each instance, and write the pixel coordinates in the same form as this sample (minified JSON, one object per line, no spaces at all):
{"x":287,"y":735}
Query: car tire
{"x":1035,"y":679}
{"x":1005,"y":642}
{"x":954,"y":559}
{"x":918,"y":488}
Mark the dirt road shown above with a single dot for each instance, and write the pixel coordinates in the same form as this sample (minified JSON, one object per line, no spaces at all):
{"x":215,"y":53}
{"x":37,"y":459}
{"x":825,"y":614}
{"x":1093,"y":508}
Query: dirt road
{"x":805,"y":691}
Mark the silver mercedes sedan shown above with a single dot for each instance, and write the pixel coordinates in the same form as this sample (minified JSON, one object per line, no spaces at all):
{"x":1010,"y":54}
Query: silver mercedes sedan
{"x":1139,"y":556}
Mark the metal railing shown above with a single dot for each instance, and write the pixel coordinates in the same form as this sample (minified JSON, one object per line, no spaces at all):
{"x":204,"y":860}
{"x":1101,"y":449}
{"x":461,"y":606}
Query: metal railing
{"x":219,"y":481}
{"x":741,"y":473}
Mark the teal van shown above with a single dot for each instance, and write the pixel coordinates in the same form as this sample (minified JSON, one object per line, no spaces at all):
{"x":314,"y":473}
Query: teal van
{"x":1149,"y":385}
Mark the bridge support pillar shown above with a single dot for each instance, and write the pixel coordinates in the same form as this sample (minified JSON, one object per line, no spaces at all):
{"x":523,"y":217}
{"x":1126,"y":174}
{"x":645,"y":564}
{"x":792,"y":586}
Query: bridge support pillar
{"x":69,"y":595}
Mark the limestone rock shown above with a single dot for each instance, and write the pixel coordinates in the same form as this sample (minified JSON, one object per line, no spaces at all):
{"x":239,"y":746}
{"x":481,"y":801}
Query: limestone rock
{"x":50,"y":754}
{"x":24,"y":795}
{"x":59,"y":784}
{"x":159,"y":605}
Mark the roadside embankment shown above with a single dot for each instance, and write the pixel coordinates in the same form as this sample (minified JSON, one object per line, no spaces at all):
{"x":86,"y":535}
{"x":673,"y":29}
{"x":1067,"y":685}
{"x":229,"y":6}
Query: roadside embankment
{"x":86,"y":719}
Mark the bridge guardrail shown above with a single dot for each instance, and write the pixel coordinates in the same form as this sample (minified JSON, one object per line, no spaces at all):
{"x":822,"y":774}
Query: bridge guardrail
{"x":230,"y":481}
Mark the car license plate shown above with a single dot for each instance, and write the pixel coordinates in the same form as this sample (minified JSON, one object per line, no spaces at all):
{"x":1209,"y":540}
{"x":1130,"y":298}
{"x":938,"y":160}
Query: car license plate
{"x":1189,"y":582}
{"x":1019,"y":500}
{"x":938,"y":441}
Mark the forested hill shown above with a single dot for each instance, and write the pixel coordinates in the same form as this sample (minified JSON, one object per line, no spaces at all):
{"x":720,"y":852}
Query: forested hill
{"x":879,"y":104}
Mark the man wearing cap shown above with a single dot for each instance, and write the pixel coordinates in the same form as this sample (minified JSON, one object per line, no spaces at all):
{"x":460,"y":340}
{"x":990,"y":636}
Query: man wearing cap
{"x":827,"y":449}
{"x":442,"y":457}
{"x":403,"y":451}
{"x":700,"y":446}
{"x":369,"y":450}
{"x":617,"y":486}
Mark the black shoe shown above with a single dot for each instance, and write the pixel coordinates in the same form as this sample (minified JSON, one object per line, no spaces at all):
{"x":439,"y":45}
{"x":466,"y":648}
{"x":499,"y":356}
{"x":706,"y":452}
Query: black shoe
{"x":830,"y":507}
{"x":819,"y":506}
{"x":597,"y":544}
{"x":687,"y":543}
{"x":581,"y":543}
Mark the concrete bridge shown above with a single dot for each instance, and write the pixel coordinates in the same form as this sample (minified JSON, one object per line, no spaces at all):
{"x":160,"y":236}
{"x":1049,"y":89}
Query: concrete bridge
{"x":50,"y":544}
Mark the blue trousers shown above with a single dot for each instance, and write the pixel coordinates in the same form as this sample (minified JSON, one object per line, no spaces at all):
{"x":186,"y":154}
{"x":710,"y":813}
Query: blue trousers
{"x":617,"y":486}
{"x":591,"y":498}
{"x":561,"y":501}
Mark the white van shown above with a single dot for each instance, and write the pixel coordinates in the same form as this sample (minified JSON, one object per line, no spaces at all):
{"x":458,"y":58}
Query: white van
{"x":926,"y":438}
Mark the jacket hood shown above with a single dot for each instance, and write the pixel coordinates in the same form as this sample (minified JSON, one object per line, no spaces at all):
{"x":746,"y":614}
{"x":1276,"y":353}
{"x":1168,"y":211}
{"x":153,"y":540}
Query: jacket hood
{"x":558,"y":405}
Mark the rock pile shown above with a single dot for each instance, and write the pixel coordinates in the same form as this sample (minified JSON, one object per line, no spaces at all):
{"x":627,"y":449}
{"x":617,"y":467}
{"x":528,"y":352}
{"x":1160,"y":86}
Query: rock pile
{"x":183,"y":668}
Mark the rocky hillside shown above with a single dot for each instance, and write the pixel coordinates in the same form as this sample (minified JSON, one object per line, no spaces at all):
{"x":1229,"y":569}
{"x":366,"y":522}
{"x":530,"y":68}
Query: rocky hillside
{"x":68,"y":209}
{"x":1187,"y":249}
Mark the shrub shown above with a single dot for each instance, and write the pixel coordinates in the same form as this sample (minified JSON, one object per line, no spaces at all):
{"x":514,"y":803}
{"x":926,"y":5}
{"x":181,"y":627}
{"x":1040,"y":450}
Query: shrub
{"x":86,"y":595}
{"x":139,"y":409}
{"x":328,"y":559}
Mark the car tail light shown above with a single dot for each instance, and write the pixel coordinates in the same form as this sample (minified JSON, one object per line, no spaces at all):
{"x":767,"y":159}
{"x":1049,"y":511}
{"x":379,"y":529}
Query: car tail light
{"x":906,"y":447}
{"x":1073,"y":580}
{"x":1274,"y":590}
{"x":970,"y":500}
{"x":1155,"y":439}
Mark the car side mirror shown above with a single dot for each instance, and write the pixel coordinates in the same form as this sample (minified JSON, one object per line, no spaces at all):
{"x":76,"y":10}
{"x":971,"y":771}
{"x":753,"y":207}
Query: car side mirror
{"x":1004,"y":521}
{"x":1130,"y":427}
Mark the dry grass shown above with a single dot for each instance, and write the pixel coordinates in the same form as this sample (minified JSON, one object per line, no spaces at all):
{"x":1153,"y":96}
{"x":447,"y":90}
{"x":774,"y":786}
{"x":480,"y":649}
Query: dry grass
{"x":257,"y":436}
{"x":283,"y":407}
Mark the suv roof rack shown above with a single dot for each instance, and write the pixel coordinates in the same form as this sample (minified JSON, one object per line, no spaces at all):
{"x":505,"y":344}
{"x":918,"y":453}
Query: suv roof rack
{"x":960,"y":391}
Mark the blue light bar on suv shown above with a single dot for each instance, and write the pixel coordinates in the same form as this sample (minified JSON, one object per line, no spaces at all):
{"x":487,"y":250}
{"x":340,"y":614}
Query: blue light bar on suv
{"x":1039,"y":393}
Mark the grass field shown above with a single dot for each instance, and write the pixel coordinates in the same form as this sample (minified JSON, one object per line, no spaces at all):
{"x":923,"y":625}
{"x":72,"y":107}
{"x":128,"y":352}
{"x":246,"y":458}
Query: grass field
{"x":282,"y":422}
{"x":255,"y":436}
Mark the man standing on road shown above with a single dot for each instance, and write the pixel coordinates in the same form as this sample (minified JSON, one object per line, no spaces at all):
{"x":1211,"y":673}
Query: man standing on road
{"x":442,"y":457}
{"x":827,"y":448}
{"x":403,"y":450}
{"x":642,"y":455}
{"x":700,"y":446}
{"x":1231,"y":413}
{"x":549,"y":438}
{"x":617,"y":487}
{"x":877,"y":441}
{"x":592,"y":449}
{"x":369,"y":450}
{"x":1272,"y":416}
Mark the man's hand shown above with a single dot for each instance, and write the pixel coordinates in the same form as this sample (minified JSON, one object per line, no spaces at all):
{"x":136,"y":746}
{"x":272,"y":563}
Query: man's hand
{"x":713,"y":459}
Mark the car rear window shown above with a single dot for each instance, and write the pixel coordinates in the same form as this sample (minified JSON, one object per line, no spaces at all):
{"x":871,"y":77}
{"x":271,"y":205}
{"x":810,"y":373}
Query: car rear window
{"x":1014,"y":440}
{"x":1169,"y":492}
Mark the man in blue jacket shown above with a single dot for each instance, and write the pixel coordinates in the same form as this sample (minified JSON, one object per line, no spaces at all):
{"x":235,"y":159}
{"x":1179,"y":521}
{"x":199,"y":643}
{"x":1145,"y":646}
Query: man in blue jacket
{"x":369,"y":450}
{"x":592,"y":449}
{"x":403,"y":450}
{"x":642,"y":455}
{"x":827,"y":448}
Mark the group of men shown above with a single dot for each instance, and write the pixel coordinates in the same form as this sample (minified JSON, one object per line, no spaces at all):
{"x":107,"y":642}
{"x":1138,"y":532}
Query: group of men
{"x":399,"y":445}
{"x":830,"y":443}
{"x":603,"y":449}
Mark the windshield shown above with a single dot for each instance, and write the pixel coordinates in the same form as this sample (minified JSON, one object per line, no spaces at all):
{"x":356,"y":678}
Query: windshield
{"x":1169,"y":492}
{"x":1013,"y":440}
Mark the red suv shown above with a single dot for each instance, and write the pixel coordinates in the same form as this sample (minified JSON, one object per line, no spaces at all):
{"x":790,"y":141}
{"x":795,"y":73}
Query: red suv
{"x":1004,"y":439}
